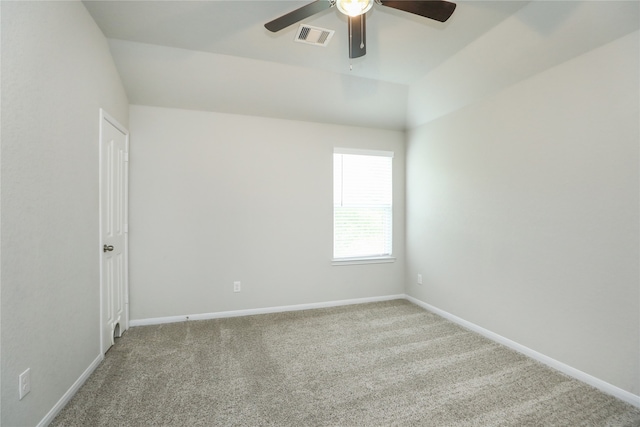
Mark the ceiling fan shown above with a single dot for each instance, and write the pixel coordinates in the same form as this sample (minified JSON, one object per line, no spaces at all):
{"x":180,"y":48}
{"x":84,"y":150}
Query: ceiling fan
{"x":355,"y":10}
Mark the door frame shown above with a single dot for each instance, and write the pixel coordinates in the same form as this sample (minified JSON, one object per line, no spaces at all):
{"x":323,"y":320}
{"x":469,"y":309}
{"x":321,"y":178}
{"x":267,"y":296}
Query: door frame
{"x":104,"y":116}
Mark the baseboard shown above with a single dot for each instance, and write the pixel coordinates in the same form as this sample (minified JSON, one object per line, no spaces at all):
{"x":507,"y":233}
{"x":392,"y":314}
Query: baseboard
{"x":71,"y":392}
{"x":254,"y":311}
{"x":552,"y":363}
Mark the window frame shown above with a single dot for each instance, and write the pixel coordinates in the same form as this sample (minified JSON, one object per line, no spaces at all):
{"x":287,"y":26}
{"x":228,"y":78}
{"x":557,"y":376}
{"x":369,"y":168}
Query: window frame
{"x":373,"y":259}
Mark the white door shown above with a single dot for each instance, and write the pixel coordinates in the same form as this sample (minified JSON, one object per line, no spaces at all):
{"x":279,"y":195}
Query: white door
{"x":114,"y":178}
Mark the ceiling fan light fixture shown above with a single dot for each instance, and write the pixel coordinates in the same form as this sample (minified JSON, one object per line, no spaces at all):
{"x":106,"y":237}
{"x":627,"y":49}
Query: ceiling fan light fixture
{"x":354,"y":7}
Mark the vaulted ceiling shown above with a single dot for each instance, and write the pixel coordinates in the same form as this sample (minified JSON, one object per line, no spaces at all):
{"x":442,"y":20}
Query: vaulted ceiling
{"x":217,"y":55}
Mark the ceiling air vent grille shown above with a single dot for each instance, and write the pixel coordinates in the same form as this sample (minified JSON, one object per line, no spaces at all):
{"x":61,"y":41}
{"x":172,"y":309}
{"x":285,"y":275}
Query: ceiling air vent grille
{"x":313,"y":35}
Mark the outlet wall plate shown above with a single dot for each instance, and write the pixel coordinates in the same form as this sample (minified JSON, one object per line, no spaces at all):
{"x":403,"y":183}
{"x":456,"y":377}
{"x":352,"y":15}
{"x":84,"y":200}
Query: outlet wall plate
{"x":24,"y":383}
{"x":236,"y":286}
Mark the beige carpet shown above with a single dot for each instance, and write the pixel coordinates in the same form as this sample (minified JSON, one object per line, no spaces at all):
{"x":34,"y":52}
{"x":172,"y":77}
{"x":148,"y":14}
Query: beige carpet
{"x":379,"y":364}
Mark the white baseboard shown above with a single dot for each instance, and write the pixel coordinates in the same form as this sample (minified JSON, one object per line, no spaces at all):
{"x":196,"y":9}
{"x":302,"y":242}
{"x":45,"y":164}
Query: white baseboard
{"x":71,"y":392}
{"x":254,"y":311}
{"x":566,"y":369}
{"x":559,"y":366}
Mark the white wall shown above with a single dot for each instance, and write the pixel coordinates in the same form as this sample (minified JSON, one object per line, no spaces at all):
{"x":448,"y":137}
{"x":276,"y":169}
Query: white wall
{"x":522,"y":213}
{"x":56,"y":74}
{"x":217,"y":198}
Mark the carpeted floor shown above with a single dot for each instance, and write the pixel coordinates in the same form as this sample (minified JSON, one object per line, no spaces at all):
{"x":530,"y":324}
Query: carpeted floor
{"x":378,"y":364}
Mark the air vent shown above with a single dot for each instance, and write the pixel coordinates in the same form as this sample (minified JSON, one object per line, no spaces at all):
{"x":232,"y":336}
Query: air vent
{"x":313,"y":35}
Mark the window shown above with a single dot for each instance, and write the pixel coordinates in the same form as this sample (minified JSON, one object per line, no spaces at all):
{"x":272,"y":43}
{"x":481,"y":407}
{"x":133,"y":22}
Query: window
{"x":362,"y":205}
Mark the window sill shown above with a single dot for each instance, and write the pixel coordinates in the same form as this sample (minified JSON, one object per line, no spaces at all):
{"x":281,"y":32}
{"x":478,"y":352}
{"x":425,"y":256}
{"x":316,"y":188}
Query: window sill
{"x":364,"y":260}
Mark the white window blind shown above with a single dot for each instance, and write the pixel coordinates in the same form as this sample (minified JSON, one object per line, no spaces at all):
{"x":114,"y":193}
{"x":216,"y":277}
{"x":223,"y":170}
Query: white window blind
{"x":362,"y":203}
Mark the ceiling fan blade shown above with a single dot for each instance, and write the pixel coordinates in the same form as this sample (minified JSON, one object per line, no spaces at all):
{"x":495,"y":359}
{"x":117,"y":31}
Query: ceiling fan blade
{"x":439,"y":10}
{"x":298,"y":15}
{"x":357,"y":36}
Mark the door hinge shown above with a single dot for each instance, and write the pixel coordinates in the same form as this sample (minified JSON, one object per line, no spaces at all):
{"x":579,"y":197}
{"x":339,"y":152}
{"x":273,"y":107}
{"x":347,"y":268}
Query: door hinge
{"x":126,"y":157}
{"x":126,"y":228}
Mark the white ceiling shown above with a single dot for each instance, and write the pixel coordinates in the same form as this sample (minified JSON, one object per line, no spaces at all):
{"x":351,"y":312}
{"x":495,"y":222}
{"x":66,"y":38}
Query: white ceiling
{"x":400,"y":46}
{"x":217,"y":55}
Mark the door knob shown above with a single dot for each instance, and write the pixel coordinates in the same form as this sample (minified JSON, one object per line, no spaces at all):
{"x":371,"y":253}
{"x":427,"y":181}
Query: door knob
{"x":106,"y":248}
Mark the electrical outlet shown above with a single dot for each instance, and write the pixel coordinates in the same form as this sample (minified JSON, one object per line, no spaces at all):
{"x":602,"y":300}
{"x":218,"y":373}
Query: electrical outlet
{"x":236,"y":286}
{"x":24,"y":383}
{"x":419,"y":279}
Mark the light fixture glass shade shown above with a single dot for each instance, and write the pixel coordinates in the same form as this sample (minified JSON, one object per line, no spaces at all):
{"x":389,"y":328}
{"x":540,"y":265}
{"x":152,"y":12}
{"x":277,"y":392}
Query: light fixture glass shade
{"x":354,"y":7}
